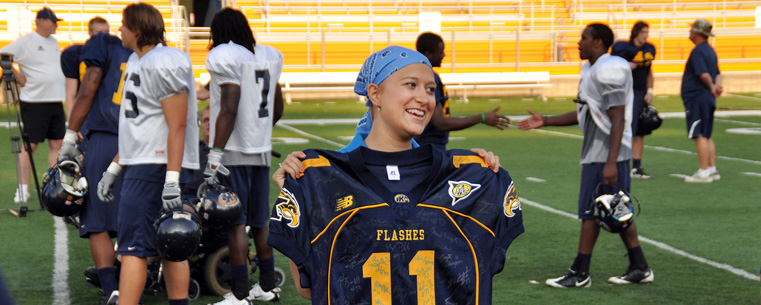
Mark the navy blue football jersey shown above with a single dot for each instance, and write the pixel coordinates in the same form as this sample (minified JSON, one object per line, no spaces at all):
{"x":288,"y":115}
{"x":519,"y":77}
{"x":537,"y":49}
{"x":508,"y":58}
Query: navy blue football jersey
{"x":642,"y":56}
{"x":73,"y":67}
{"x":107,"y":53}
{"x":430,"y":134}
{"x":356,"y":242}
{"x":71,"y":62}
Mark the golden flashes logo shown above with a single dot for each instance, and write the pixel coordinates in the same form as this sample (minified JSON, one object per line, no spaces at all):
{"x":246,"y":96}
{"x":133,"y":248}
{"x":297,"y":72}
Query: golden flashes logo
{"x":228,"y":199}
{"x":401,"y":198}
{"x":511,"y":202}
{"x":344,"y":202}
{"x":287,"y":208}
{"x":460,"y":190}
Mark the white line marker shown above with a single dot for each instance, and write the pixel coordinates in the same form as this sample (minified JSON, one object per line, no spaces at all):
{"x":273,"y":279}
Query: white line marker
{"x":532,"y":179}
{"x":574,"y":136}
{"x":61,"y":266}
{"x":736,"y":122}
{"x":751,"y":174}
{"x":657,"y":244}
{"x":680,"y":176}
{"x":310,"y":135}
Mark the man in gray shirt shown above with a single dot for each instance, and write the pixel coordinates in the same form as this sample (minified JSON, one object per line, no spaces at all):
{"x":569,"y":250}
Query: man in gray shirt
{"x":604,"y":114}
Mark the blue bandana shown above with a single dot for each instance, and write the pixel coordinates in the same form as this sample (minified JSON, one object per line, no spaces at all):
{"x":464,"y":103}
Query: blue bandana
{"x":380,"y":65}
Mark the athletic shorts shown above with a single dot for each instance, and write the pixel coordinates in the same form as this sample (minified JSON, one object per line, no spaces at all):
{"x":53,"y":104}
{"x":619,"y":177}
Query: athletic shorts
{"x":639,"y":104}
{"x":251,"y":184}
{"x":97,"y":216}
{"x":591,"y":177}
{"x":699,"y":115}
{"x":43,"y":121}
{"x":138,"y":209}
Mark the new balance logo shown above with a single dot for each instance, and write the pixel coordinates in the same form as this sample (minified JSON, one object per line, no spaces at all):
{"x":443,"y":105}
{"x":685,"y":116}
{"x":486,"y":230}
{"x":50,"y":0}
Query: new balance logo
{"x":344,"y":202}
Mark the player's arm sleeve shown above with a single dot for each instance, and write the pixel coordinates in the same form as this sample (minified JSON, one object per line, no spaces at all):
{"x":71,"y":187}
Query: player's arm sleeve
{"x":510,"y":221}
{"x":70,"y":63}
{"x":699,"y":62}
{"x":619,"y":50}
{"x":167,"y":77}
{"x":289,"y":224}
{"x":96,"y":52}
{"x":222,"y":67}
{"x":613,"y":83}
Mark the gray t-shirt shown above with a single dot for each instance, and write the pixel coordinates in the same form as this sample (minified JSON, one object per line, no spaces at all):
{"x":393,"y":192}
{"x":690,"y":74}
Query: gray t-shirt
{"x":596,"y":143}
{"x":606,"y":84}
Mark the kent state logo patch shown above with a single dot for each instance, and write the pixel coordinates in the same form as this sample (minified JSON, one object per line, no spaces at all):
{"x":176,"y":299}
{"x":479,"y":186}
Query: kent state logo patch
{"x":460,"y":190}
{"x":228,"y":198}
{"x":511,"y":202}
{"x":401,"y":198}
{"x":287,"y":208}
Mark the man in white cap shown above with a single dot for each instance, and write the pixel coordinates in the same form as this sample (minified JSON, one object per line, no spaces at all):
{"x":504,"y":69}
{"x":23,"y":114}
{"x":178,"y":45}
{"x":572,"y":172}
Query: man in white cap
{"x":701,"y":85}
{"x":42,"y":91}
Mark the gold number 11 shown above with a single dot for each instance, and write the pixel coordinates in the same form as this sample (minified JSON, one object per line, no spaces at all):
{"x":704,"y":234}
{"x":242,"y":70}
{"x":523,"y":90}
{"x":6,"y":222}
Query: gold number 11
{"x":378,"y":269}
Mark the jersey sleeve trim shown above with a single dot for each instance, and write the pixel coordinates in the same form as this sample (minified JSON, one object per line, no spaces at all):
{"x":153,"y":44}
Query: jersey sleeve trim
{"x":460,"y":160}
{"x":445,"y":210}
{"x":320,"y":161}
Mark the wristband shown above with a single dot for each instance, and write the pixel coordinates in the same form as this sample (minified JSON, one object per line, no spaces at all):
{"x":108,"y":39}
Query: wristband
{"x":114,"y":168}
{"x":650,"y":90}
{"x":70,"y":136}
{"x":215,"y":157}
{"x":172,"y":177}
{"x":218,"y":149}
{"x":483,"y":118}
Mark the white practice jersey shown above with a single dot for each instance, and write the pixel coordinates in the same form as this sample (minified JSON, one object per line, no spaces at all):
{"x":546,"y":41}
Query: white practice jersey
{"x":159,"y":74}
{"x":257,"y":75}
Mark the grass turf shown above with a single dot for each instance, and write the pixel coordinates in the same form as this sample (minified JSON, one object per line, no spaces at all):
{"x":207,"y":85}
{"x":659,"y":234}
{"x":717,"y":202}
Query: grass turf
{"x":717,"y":221}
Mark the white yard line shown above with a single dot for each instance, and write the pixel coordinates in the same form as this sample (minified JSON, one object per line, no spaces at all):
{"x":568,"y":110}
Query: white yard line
{"x":575,"y":136}
{"x":751,"y":174}
{"x":309,"y":135}
{"x":61,"y":265}
{"x":657,"y":244}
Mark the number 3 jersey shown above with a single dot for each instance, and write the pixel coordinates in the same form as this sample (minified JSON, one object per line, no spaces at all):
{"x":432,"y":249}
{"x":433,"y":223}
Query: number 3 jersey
{"x":257,"y":75}
{"x":159,"y":74}
{"x":357,"y":241}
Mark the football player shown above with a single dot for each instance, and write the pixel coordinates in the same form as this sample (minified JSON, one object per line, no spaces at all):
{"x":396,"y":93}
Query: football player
{"x":437,"y":132}
{"x":104,"y":58}
{"x":157,"y":139}
{"x":640,"y":54}
{"x":390,"y":223}
{"x":604,"y":113}
{"x":245,"y":102}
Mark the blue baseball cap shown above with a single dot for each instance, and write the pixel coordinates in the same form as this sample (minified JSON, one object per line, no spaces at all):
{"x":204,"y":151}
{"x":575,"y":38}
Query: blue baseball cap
{"x":47,"y":13}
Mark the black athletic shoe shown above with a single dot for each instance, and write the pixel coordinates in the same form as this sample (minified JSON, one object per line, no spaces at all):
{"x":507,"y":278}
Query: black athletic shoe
{"x":639,"y":173}
{"x":570,"y":280}
{"x":633,"y":276}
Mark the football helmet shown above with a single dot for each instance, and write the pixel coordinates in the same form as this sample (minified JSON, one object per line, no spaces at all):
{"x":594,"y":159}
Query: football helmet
{"x":178,"y":233}
{"x":63,"y":188}
{"x":219,"y":206}
{"x":614,"y":212}
{"x":649,"y":119}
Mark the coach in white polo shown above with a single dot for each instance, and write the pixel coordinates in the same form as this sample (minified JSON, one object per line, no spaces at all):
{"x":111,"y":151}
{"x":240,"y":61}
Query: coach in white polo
{"x":42,"y":90}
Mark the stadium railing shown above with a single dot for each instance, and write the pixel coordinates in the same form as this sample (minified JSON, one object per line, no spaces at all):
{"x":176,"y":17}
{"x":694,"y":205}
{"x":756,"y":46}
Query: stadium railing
{"x":19,"y":19}
{"x":318,"y":82}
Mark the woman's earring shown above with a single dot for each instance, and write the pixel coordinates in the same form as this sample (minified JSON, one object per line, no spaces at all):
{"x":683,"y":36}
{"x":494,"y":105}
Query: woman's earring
{"x":378,"y":107}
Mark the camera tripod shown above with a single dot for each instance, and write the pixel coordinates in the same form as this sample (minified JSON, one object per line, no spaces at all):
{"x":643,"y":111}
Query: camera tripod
{"x":18,"y":135}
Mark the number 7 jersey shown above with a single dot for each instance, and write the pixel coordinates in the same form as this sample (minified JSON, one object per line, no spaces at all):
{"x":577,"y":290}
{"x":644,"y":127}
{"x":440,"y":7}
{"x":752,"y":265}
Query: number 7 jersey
{"x":356,"y":242}
{"x":257,"y":75}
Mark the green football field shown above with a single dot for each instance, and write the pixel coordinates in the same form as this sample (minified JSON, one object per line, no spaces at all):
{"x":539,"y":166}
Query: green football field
{"x":701,"y":240}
